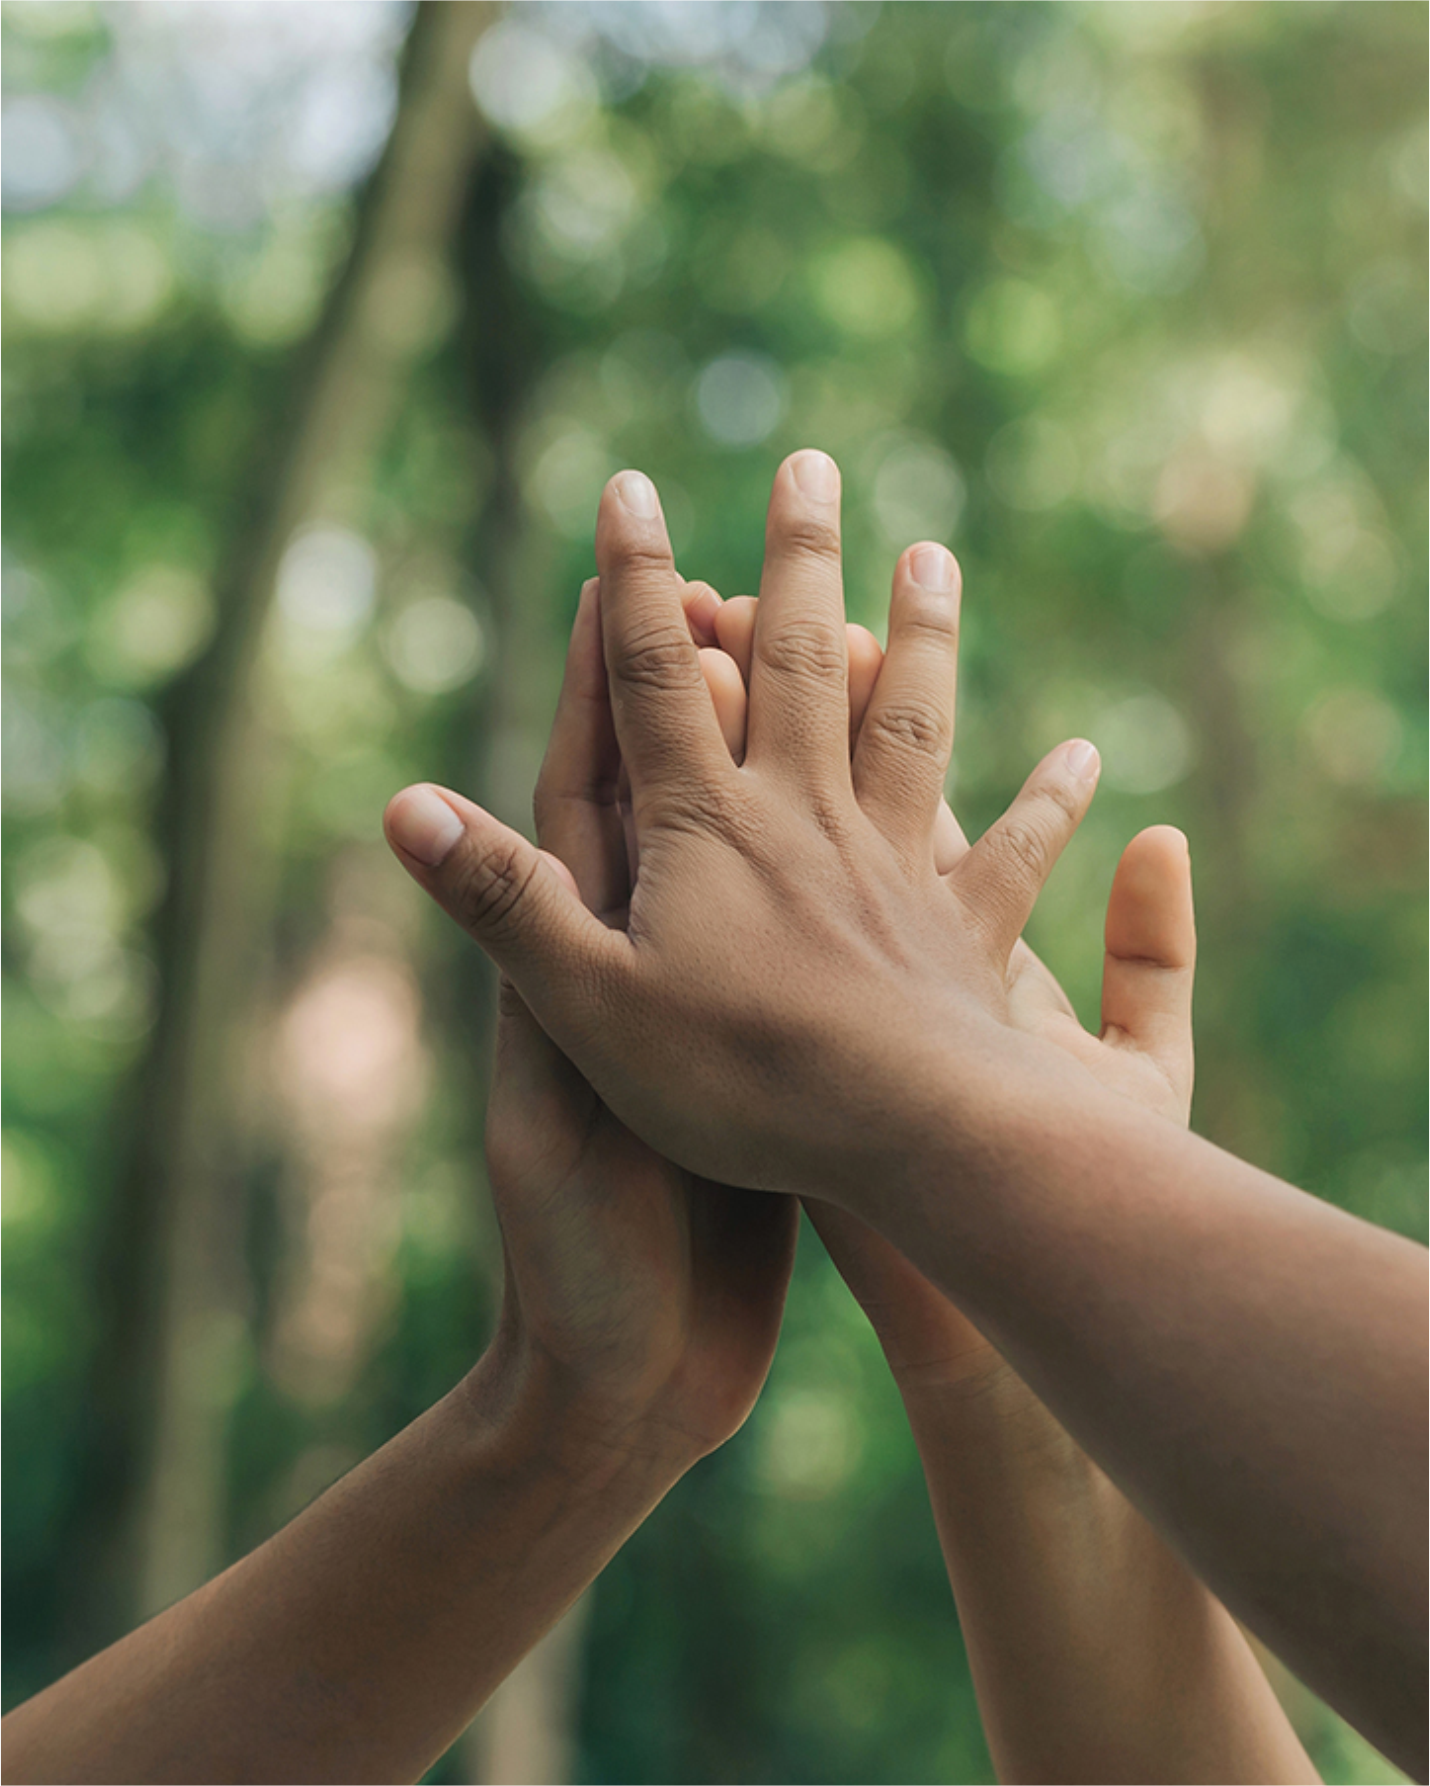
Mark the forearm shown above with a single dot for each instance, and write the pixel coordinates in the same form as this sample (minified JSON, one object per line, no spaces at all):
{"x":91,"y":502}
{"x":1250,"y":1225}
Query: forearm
{"x":1246,"y":1362}
{"x":1096,"y":1654}
{"x":359,"y":1642}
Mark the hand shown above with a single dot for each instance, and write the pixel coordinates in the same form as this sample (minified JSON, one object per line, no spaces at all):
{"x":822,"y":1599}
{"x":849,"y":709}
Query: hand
{"x":650,"y":1298}
{"x":799,"y":991}
{"x":1144,"y":1050}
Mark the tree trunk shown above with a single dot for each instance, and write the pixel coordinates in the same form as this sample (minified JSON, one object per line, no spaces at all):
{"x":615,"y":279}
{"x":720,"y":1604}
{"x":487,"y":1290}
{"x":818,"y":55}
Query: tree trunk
{"x":528,"y":1730}
{"x":160,"y":1397}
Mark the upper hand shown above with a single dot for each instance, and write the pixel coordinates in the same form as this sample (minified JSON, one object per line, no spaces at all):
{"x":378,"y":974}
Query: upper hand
{"x":799,"y":987}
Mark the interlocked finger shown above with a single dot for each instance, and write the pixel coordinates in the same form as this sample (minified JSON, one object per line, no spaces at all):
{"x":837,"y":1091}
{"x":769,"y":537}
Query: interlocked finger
{"x":799,"y":702}
{"x":664,"y":722}
{"x":906,"y":739}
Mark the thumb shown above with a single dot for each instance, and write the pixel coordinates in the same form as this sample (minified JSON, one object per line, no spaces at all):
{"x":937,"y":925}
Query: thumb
{"x":512,"y":899}
{"x":1151,"y":953}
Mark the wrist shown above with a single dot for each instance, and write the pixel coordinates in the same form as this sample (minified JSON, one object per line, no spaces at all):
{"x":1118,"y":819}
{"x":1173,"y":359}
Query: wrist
{"x":953,"y":1088}
{"x":535,"y":1418}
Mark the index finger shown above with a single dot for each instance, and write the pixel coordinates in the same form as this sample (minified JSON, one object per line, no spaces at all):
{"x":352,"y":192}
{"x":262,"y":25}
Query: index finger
{"x":664,"y":719}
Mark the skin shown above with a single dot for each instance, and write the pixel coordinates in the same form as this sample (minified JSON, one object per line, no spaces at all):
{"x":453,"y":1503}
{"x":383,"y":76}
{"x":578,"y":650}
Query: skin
{"x":640,"y":1316}
{"x":802,"y":1002}
{"x":1096,"y":1654}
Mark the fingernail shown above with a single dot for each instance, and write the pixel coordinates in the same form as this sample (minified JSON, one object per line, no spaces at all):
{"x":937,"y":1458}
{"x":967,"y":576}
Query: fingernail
{"x":1083,"y":760}
{"x":932,"y":568}
{"x":420,"y":822}
{"x":817,"y":476}
{"x":637,"y":492}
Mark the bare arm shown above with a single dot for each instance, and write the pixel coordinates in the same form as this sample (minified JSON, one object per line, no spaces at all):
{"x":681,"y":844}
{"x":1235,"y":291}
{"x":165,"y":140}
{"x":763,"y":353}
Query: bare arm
{"x":640,"y":1316}
{"x":804,"y":1003}
{"x":1245,"y":1362}
{"x":1096,"y":1653}
{"x":359,"y":1642}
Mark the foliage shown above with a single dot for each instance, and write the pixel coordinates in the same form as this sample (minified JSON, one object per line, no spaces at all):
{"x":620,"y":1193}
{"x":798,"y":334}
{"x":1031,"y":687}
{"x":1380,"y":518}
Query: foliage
{"x":1124,"y":301}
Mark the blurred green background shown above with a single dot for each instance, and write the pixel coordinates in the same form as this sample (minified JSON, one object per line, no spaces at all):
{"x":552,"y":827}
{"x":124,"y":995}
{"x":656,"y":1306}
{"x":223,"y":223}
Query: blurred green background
{"x":324,"y":326}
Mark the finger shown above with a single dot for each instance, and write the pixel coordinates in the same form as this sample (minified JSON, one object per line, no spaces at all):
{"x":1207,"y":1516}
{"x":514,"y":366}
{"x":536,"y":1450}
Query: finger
{"x":904,"y":745}
{"x":799,"y":698}
{"x":950,"y":845}
{"x":663,"y":717}
{"x":577,"y":817}
{"x":1151,"y":938}
{"x":866,"y":655}
{"x":727,"y":691}
{"x":510,"y":899}
{"x":1000,"y":878}
{"x":735,"y":631}
{"x":702,"y":605}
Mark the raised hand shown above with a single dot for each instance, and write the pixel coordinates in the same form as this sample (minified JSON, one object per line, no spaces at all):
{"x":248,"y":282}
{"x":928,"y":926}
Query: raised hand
{"x":802,"y":1001}
{"x":1077,"y":1617}
{"x":803,"y":1044}
{"x":652,"y":1296}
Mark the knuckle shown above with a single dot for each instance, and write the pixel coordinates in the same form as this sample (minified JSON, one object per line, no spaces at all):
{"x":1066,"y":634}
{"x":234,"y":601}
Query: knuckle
{"x":1023,"y":847}
{"x":1063,"y":803}
{"x":805,"y":651}
{"x":489,"y":888}
{"x":655,"y":657}
{"x":639,"y":553}
{"x":703,"y":811}
{"x":806,"y":536}
{"x":908,"y":727}
{"x":928,"y":618}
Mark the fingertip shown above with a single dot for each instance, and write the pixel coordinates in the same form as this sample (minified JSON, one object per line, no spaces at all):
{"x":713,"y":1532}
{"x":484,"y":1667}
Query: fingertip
{"x":950,"y":845}
{"x":813,"y":476}
{"x":1149,"y":910}
{"x":866,"y":656}
{"x":930,"y":566}
{"x":735,"y":630}
{"x":629,"y":521}
{"x":702,"y":605}
{"x":1157,"y":857}
{"x":1081,"y":761}
{"x":422,"y":823}
{"x":1167,"y":840}
{"x":863,"y":647}
{"x":636,"y":494}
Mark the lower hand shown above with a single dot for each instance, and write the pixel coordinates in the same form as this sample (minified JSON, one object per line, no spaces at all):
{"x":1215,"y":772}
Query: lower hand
{"x":643,"y":1300}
